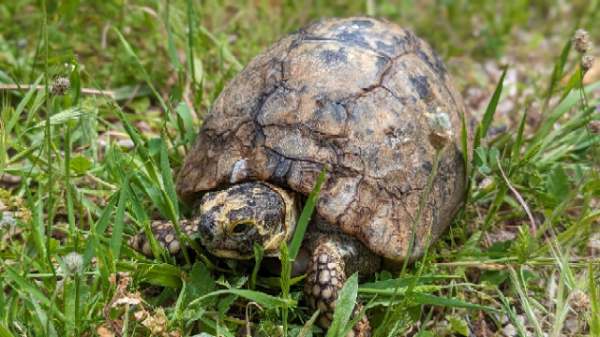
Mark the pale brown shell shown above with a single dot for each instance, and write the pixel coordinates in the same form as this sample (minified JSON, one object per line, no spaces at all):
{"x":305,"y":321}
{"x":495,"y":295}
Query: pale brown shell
{"x":355,"y":95}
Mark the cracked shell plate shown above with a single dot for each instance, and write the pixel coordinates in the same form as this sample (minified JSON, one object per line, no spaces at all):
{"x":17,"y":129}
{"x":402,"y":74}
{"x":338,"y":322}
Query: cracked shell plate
{"x":353,"y":95}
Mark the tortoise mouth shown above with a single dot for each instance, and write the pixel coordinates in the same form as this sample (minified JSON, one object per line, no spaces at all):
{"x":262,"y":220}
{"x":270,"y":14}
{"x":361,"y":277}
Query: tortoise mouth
{"x":231,"y":254}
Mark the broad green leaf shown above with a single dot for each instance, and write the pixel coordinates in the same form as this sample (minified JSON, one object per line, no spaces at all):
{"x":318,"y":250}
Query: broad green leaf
{"x":161,"y":274}
{"x":403,"y":282}
{"x":200,"y":281}
{"x":80,"y":164}
{"x":558,"y":183}
{"x":262,"y":299}
{"x":458,"y":325}
{"x":344,"y":306}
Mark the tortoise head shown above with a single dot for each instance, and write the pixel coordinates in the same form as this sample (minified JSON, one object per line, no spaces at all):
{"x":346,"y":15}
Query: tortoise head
{"x":230,"y":221}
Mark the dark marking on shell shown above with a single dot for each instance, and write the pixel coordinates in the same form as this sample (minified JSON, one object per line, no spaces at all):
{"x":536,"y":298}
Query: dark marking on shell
{"x":331,"y":57}
{"x":329,"y":108}
{"x":282,"y":167}
{"x":388,"y":48}
{"x":363,"y":23}
{"x":355,"y":37}
{"x":421,"y":85}
{"x":381,"y":62}
{"x":427,"y":166}
{"x":439,"y":68}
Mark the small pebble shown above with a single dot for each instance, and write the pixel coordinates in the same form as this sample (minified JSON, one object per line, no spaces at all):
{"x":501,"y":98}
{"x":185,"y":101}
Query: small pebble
{"x":509,"y":330}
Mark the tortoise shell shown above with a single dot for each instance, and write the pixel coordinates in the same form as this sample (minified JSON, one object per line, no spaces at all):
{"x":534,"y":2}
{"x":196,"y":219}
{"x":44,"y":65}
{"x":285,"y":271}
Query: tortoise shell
{"x":353,"y":95}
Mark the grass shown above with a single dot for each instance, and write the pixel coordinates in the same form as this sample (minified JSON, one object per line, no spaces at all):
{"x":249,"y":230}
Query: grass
{"x":84,"y":171}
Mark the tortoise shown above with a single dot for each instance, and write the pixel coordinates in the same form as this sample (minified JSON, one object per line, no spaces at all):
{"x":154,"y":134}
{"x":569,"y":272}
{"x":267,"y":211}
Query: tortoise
{"x":366,"y":100}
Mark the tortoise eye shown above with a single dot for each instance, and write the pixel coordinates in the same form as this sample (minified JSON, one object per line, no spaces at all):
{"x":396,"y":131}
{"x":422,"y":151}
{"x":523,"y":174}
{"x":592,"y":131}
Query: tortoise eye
{"x":241,"y":227}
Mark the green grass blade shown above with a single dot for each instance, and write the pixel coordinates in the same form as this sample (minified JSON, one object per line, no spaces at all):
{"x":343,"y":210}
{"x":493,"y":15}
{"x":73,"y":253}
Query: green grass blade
{"x":119,"y":223}
{"x":26,"y":287}
{"x":284,"y":280}
{"x":404,"y":282}
{"x":594,"y":291}
{"x":147,"y":77}
{"x":4,"y":332}
{"x":190,"y":40}
{"x":557,"y":72}
{"x":304,"y":218}
{"x":186,"y":128}
{"x":259,"y":253}
{"x":169,"y":185}
{"x":22,"y":104}
{"x":306,"y":329}
{"x":488,"y":116}
{"x":518,"y":144}
{"x":171,"y":48}
{"x":519,"y":285}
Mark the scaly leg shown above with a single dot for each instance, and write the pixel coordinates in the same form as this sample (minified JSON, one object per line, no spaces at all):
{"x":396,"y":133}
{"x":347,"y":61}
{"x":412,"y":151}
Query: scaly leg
{"x":165,"y":234}
{"x":336,"y":256}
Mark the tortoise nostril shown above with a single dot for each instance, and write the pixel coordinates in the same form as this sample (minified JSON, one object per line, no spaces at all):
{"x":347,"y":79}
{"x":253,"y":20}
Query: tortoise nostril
{"x":241,"y":227}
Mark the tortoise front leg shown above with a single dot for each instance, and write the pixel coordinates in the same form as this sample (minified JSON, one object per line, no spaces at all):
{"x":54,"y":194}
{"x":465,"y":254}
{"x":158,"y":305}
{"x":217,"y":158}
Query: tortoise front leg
{"x":336,"y":256}
{"x":165,"y":234}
